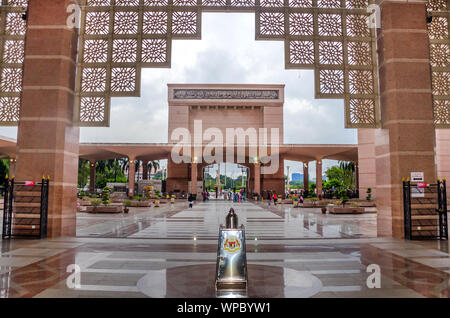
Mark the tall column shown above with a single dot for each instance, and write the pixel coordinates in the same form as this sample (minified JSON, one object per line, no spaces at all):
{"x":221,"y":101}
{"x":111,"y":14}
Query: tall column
{"x":443,"y":155}
{"x":257,"y":186}
{"x":367,"y":175}
{"x":131,"y":176}
{"x":194,"y":177}
{"x":47,"y":142}
{"x":12,"y":167}
{"x":92,"y":176}
{"x":144,"y":170}
{"x":218,"y":178}
{"x":319,"y":177}
{"x":306,"y":176}
{"x":407,"y":139}
{"x":287,"y":178}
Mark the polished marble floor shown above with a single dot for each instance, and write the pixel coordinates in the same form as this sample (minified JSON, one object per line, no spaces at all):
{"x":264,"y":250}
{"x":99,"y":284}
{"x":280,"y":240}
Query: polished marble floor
{"x":171,"y":252}
{"x":203,"y":221}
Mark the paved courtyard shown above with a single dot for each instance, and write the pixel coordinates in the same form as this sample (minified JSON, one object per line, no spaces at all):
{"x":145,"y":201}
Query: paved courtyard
{"x":171,"y":252}
{"x":203,"y":221}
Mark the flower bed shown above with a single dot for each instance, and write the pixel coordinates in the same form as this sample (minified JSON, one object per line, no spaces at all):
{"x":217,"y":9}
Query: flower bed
{"x":367,"y":204}
{"x":345,"y":210}
{"x":104,"y":209}
{"x":140,"y":204}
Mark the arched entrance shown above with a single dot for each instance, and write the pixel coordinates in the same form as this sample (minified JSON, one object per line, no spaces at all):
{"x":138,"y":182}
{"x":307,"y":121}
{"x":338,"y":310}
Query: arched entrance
{"x":223,"y":178}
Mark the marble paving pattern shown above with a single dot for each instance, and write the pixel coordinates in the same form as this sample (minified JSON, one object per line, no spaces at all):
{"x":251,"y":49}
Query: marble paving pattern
{"x":298,"y":253}
{"x":204,"y":219}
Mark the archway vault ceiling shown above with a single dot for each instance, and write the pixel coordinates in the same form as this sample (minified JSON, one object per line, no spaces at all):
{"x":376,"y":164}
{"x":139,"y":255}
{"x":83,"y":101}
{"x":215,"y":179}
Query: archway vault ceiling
{"x":120,"y":37}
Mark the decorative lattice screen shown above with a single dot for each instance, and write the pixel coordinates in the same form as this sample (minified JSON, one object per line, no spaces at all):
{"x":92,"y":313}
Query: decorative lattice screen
{"x":119,"y":37}
{"x":12,"y":44}
{"x":438,"y":32}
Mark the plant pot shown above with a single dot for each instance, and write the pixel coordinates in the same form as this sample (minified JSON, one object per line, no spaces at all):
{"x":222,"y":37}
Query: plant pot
{"x":157,"y":203}
{"x":126,"y":210}
{"x":324,"y":210}
{"x":104,"y":209}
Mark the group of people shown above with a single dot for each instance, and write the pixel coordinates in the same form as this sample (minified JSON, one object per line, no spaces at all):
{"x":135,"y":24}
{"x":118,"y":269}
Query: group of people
{"x":238,"y":196}
{"x":271,"y":197}
{"x":205,"y":195}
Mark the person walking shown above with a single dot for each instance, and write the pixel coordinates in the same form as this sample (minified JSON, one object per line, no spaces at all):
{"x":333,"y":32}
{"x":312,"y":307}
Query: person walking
{"x":269,"y":198}
{"x":204,"y":196}
{"x":301,"y":200}
{"x":191,"y":201}
{"x":275,"y":198}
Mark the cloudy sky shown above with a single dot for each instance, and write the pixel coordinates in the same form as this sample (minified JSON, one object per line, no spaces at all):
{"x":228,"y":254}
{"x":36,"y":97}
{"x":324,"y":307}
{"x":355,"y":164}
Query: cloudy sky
{"x":227,"y":53}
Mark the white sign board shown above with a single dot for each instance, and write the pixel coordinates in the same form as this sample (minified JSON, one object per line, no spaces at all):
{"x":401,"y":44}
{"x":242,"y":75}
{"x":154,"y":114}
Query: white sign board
{"x":417,"y":192}
{"x":417,"y":177}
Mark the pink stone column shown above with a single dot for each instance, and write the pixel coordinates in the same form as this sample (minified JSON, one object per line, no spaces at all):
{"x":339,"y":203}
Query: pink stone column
{"x":366,"y":163}
{"x":443,"y":155}
{"x":144,"y":170}
{"x":92,"y":164}
{"x":257,"y":171}
{"x":319,"y":177}
{"x":12,"y":167}
{"x":47,"y":141}
{"x":406,"y":141}
{"x":306,"y":176}
{"x":131,"y":176}
{"x":194,"y":178}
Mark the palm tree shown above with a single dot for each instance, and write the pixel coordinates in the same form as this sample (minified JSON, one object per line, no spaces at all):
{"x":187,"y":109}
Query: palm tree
{"x":125,"y":163}
{"x":114,"y":167}
{"x":348,"y":171}
{"x":153,"y":165}
{"x":83,"y":172}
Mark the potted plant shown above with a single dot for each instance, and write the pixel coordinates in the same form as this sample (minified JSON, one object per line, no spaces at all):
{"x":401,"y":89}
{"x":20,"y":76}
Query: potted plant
{"x":105,"y":195}
{"x":344,"y":198}
{"x":172,"y":199}
{"x":369,"y":194}
{"x":354,"y":205}
{"x":157,"y":201}
{"x":127,"y":204}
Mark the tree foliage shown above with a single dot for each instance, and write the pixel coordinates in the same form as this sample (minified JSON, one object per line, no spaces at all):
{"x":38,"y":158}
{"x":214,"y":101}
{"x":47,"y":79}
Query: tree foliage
{"x":343,"y":175}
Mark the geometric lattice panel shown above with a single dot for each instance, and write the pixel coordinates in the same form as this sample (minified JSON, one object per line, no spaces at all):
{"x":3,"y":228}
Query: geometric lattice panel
{"x":12,"y":46}
{"x":120,"y":37}
{"x":438,"y":33}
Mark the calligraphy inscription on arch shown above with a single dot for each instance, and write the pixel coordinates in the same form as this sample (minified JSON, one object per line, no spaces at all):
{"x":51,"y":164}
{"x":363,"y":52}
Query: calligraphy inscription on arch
{"x":225,"y":94}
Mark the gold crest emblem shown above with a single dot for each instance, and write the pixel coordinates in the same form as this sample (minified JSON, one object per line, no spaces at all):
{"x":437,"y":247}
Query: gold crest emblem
{"x":232,"y":245}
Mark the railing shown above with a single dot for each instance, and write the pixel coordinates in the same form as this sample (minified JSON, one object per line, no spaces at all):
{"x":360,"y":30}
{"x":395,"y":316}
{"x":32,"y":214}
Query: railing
{"x":425,"y":210}
{"x":25,"y":213}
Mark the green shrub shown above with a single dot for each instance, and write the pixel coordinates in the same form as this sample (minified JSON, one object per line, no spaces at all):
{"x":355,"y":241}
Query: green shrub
{"x":105,"y":195}
{"x":96,"y":202}
{"x":343,"y":196}
{"x":369,"y":194}
{"x":127,"y":203}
